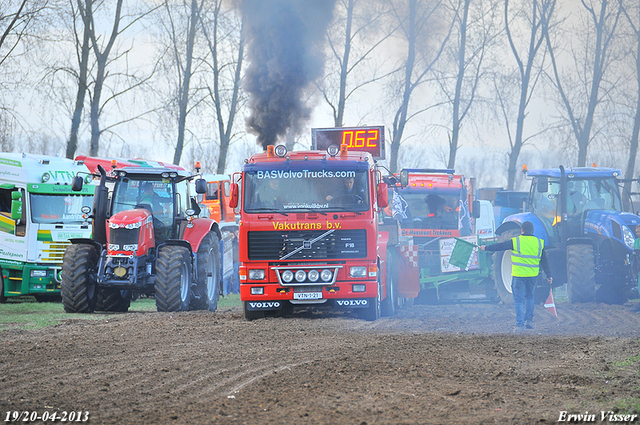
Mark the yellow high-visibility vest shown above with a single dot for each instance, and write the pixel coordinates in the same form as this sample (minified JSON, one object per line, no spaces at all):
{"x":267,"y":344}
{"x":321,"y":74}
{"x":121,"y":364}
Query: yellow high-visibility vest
{"x":526,"y":255}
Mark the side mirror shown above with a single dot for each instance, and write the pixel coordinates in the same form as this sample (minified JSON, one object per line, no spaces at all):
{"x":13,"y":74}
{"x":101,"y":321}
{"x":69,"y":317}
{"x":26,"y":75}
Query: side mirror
{"x":404,"y":178}
{"x":475,"y":209}
{"x":76,"y":183}
{"x":542,"y":185}
{"x":201,"y":186}
{"x":233,"y":198}
{"x":383,"y":195}
{"x":16,"y":205}
{"x":195,"y":209}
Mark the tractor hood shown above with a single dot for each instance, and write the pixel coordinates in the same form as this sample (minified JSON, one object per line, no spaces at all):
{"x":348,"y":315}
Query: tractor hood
{"x":130,"y":219}
{"x":612,"y":224}
{"x":601,"y":223}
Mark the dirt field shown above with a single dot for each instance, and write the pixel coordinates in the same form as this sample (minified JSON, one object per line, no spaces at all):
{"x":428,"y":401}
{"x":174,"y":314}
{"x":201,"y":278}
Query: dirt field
{"x":429,"y":365}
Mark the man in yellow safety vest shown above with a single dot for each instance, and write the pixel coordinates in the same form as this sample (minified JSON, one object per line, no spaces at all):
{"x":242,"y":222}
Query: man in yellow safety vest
{"x":527,"y":256}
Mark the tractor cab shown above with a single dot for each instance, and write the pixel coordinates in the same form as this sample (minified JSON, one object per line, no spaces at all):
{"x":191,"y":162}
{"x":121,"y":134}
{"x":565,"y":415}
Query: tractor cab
{"x":587,"y":190}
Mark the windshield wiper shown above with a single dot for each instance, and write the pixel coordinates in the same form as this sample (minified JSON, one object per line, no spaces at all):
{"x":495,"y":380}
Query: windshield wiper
{"x":316,"y":211}
{"x":345,"y":209}
{"x":275,"y":210}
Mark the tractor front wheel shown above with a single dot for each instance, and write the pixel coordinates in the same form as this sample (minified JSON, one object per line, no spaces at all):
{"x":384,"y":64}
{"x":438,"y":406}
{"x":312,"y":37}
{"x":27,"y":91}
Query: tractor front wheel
{"x":78,"y":286}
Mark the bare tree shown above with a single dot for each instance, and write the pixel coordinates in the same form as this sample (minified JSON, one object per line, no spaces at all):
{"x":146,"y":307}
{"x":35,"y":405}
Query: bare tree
{"x":355,"y":35}
{"x":106,"y":54}
{"x":225,"y":34}
{"x":20,"y":21}
{"x":580,"y":108}
{"x":634,"y":24}
{"x":84,"y":12}
{"x":476,"y":33}
{"x":418,"y":20}
{"x":15,"y":20}
{"x":102,"y":57}
{"x":528,"y":16}
{"x":183,"y":64}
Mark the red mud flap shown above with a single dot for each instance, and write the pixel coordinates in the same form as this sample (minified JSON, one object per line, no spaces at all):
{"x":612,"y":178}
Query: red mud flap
{"x":263,"y":305}
{"x":353,"y":303}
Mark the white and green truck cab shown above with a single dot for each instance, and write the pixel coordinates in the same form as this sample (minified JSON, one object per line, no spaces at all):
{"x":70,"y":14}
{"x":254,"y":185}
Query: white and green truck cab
{"x":39,"y":213}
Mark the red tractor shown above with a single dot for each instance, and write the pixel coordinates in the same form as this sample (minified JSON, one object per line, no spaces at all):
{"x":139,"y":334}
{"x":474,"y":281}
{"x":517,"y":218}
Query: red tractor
{"x":147,"y":239}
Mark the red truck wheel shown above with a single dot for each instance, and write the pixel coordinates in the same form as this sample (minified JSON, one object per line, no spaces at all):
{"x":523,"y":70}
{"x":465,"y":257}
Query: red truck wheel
{"x":372,"y":312}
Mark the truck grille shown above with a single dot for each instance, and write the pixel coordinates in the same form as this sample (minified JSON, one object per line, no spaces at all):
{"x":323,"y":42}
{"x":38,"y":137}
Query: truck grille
{"x":274,"y":245}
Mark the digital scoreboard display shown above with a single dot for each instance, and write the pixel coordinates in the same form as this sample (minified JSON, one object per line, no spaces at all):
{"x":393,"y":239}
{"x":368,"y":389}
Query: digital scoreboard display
{"x":367,"y":139}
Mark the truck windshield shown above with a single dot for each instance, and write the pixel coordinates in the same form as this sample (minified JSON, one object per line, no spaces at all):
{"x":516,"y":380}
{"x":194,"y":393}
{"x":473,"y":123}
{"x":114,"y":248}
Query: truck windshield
{"x":420,"y":209}
{"x":306,"y":190}
{"x":58,"y":209}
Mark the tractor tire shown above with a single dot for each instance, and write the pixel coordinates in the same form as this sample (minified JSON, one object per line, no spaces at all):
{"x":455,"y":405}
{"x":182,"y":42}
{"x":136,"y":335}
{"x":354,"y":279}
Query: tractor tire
{"x":173,"y":279}
{"x":581,"y":273}
{"x":251,"y":315}
{"x":390,"y":304}
{"x":502,"y":269}
{"x":209,"y":280}
{"x":110,"y":299}
{"x":373,"y":311}
{"x":78,"y":287}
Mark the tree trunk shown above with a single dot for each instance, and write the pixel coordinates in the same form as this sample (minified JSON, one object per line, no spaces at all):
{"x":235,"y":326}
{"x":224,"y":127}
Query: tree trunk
{"x":455,"y":130}
{"x":633,"y":148}
{"x":400,"y":120}
{"x":183,"y":96}
{"x":76,"y":119}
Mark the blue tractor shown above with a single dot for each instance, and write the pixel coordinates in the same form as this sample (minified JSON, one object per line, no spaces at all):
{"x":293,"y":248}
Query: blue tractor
{"x":588,"y":239}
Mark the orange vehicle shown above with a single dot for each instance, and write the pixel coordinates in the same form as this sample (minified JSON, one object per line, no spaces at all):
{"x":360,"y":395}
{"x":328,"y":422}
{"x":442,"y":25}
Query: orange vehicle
{"x":312,"y":234}
{"x":216,"y":199}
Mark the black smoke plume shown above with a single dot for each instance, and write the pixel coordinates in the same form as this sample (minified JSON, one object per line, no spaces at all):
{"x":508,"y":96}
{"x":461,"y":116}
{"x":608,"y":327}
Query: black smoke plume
{"x":285,"y":52}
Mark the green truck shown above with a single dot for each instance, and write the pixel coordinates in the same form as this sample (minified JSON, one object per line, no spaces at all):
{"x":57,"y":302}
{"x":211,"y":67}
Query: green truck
{"x":39,"y":213}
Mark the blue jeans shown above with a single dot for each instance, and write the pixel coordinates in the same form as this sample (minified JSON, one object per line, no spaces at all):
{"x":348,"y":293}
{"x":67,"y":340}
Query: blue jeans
{"x":523,"y":302}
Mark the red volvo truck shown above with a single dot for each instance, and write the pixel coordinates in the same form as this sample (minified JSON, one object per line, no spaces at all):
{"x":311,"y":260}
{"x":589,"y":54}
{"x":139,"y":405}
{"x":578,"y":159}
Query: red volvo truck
{"x":312,"y":231}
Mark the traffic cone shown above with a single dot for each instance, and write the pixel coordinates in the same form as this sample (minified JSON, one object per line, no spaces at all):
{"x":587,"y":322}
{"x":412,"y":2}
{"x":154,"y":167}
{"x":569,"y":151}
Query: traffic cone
{"x":551,"y":305}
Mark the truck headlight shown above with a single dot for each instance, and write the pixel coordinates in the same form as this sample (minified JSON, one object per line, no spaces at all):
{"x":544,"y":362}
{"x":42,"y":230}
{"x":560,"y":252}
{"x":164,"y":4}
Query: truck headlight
{"x":114,"y":247}
{"x":39,"y":273}
{"x":257,"y":290}
{"x":301,"y":275}
{"x":326,"y":275}
{"x":287,"y":276}
{"x":314,"y":275}
{"x":132,"y":247}
{"x":358,"y":271}
{"x":628,"y":237}
{"x":133,"y":225}
{"x":256,"y":274}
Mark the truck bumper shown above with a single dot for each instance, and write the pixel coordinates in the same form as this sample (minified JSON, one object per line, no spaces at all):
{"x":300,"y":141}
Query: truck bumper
{"x":273,"y":296}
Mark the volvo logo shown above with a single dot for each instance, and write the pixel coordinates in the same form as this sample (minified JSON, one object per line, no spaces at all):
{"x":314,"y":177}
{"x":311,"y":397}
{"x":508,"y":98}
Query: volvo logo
{"x":267,"y":305}
{"x":352,"y":303}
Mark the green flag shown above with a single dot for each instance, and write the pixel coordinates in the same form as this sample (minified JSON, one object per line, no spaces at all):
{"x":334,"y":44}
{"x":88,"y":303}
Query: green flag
{"x":461,"y":254}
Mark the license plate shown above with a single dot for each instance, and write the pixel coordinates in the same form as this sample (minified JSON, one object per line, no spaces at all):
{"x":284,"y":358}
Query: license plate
{"x":307,"y":295}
